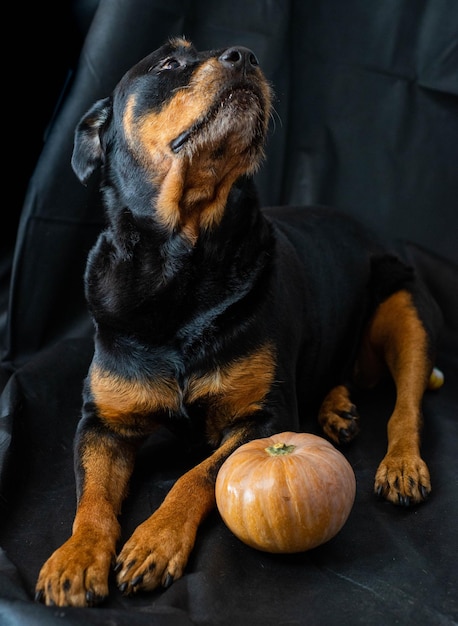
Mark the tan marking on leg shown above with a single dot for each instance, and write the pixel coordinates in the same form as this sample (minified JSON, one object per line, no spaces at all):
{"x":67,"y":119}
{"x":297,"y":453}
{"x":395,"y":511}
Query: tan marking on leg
{"x":159,"y":549}
{"x":398,"y":336}
{"x":76,"y":574}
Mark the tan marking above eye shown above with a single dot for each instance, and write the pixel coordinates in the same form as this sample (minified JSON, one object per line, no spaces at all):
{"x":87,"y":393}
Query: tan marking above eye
{"x":180,"y":42}
{"x":154,"y":131}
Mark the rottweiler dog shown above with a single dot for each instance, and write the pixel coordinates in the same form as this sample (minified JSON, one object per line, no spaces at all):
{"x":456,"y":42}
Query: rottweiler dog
{"x":215,"y":316}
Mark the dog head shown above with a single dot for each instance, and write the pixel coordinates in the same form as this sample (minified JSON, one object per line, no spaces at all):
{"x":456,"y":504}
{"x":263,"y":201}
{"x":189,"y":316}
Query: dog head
{"x":178,"y":130}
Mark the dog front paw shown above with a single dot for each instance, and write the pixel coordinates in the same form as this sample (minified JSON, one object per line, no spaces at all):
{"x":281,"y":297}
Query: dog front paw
{"x":402,"y":480}
{"x":75,"y":575}
{"x":338,"y":416}
{"x":154,"y":556}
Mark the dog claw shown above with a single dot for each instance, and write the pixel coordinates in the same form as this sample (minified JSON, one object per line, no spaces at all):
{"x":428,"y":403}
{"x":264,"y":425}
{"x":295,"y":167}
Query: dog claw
{"x":351,"y":414}
{"x":137,"y":580}
{"x":168,"y":581}
{"x":345,"y":435}
{"x":404,"y":500}
{"x":117,"y":567}
{"x":93,"y":598}
{"x":379,"y":492}
{"x":123,"y":587}
{"x":424,"y":492}
{"x":39,"y":595}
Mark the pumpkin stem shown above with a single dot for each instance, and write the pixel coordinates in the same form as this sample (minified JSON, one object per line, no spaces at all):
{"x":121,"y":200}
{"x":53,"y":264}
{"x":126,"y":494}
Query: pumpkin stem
{"x":280,"y":448}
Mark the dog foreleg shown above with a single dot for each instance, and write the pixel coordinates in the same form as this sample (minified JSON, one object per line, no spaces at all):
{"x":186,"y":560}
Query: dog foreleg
{"x":159,"y":549}
{"x":76,"y":574}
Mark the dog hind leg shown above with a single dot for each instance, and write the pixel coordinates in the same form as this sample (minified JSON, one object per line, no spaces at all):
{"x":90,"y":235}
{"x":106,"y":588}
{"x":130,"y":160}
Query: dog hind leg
{"x":397,"y":337}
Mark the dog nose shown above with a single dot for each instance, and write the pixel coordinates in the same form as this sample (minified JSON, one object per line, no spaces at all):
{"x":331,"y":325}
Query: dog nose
{"x":239,"y":58}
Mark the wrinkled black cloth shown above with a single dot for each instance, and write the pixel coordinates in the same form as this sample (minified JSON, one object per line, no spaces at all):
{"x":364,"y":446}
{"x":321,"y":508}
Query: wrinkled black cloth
{"x":366,"y":119}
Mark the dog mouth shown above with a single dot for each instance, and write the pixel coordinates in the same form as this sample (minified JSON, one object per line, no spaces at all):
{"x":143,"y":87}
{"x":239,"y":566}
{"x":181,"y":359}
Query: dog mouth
{"x":239,"y":111}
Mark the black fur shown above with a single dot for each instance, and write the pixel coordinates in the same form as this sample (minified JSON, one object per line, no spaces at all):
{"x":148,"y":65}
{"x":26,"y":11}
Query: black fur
{"x":212,"y":316}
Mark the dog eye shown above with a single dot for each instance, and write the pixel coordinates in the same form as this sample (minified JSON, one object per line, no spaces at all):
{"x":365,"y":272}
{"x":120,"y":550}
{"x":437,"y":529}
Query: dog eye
{"x":170,"y":64}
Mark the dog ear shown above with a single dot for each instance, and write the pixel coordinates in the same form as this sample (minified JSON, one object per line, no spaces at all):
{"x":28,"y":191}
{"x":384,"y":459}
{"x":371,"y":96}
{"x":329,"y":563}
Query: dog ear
{"x":87,"y":150}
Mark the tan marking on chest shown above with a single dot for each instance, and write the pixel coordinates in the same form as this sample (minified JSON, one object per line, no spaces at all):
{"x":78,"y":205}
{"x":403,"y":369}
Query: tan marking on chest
{"x":233,"y":391}
{"x":121,"y":401}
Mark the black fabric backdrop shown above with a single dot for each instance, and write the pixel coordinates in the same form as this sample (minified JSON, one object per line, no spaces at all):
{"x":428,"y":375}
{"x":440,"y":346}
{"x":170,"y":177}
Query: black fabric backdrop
{"x":366,"y":120}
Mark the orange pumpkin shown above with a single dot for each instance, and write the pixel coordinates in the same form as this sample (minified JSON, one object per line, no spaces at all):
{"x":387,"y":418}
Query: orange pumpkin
{"x":287,"y":493}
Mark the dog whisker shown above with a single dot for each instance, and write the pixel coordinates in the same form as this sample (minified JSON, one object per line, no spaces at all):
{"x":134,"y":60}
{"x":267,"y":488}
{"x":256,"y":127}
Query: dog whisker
{"x":275,"y":114}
